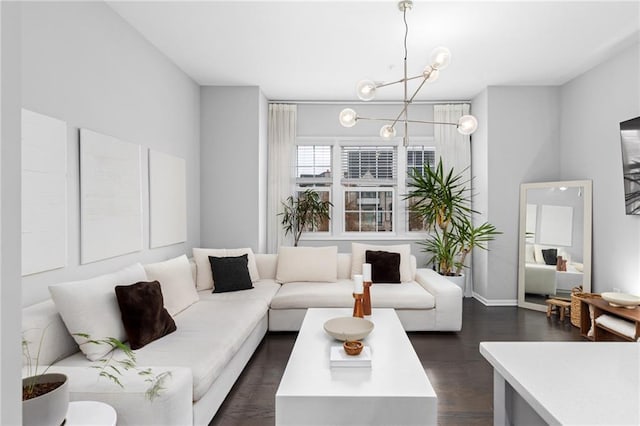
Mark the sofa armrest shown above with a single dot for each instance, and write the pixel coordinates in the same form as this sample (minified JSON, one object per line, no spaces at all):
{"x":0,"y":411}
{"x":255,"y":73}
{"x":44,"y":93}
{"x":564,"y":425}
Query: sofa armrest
{"x":173,"y":406}
{"x":448,"y":299}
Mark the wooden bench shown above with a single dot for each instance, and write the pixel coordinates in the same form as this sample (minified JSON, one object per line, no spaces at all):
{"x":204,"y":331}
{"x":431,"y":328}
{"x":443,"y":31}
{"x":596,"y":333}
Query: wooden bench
{"x":555,"y":305}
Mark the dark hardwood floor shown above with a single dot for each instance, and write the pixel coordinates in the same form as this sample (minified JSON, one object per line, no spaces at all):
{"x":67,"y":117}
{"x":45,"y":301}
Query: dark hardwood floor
{"x":461,"y":377}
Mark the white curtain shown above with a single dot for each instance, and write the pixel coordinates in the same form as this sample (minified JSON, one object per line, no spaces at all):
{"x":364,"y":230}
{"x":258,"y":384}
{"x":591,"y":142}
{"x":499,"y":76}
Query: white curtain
{"x":455,"y":151}
{"x":282,"y":138}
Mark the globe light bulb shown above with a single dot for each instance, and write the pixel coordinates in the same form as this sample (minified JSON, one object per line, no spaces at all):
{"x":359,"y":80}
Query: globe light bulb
{"x":387,"y":131}
{"x":366,"y":90}
{"x":467,"y":124}
{"x":348,"y":117}
{"x":430,"y":74}
{"x":440,"y":58}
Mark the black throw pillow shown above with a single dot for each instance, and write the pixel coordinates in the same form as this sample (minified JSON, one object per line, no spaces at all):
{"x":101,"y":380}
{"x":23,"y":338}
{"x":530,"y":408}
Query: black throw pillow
{"x":385,"y":266}
{"x":550,"y":256}
{"x":230,"y":273}
{"x":143,"y":314}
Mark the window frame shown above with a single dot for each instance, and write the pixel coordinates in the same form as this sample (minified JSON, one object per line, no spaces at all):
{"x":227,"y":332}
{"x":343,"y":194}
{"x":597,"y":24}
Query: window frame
{"x":400,"y":213}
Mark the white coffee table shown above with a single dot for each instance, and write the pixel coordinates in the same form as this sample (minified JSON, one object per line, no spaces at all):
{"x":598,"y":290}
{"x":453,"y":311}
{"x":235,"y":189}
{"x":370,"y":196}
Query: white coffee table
{"x":395,"y":390}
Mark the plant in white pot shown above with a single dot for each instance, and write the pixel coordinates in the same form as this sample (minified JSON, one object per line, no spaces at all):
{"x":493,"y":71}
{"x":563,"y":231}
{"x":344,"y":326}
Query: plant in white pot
{"x":442,"y":200}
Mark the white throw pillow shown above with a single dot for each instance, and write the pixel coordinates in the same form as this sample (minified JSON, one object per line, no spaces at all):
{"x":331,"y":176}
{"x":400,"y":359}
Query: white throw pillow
{"x":358,"y":258}
{"x":90,"y":306}
{"x":204,"y":277}
{"x":529,"y":256}
{"x":178,"y":289}
{"x":316,"y":264}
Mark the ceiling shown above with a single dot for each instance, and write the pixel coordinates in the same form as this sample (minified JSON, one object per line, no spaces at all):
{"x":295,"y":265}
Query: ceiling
{"x":303,"y":50}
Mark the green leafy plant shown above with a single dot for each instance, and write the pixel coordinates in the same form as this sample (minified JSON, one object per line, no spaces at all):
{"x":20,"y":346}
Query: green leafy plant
{"x":109,"y":367}
{"x":304,"y":213}
{"x":442,"y":200}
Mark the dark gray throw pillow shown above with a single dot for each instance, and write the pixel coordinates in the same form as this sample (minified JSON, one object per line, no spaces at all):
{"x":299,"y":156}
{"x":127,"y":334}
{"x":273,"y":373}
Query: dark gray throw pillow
{"x":143,"y":314}
{"x":385,"y":266}
{"x":230,"y":273}
{"x":550,"y":256}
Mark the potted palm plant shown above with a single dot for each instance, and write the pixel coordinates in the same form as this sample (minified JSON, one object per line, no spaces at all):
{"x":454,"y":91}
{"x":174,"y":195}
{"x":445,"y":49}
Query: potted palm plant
{"x":305,"y":212}
{"x":442,"y":200}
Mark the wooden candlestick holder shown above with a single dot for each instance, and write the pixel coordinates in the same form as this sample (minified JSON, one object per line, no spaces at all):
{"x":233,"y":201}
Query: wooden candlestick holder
{"x":358,"y":310}
{"x":366,"y":301}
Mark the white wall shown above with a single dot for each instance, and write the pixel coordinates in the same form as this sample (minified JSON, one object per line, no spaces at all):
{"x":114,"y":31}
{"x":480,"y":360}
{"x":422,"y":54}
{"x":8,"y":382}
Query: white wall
{"x":233,"y":151}
{"x":83,"y":64}
{"x":10,"y":342}
{"x":592,"y":106}
{"x":522,"y":145}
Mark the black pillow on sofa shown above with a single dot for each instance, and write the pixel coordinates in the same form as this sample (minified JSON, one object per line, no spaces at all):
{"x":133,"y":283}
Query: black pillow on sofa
{"x":230,"y":273}
{"x":385,"y":266}
{"x":550,"y":256}
{"x":143,"y":314}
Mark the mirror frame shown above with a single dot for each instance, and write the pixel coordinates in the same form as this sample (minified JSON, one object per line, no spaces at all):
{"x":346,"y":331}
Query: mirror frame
{"x":588,"y":218}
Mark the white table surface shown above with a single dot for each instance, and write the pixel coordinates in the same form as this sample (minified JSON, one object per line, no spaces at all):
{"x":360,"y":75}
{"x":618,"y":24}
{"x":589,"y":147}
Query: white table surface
{"x":395,"y":388}
{"x":572,"y":383}
{"x":90,"y":413}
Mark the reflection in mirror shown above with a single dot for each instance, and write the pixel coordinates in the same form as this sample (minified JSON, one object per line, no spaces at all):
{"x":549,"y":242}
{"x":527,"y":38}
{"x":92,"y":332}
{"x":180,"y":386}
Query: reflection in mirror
{"x":554,"y":241}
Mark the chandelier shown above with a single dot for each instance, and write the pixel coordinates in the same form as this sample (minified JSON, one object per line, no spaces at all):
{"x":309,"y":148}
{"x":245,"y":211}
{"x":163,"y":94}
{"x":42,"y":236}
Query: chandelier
{"x":366,"y":91}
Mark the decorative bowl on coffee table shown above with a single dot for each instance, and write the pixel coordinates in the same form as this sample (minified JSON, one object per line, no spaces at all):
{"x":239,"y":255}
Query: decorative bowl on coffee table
{"x":348,"y":328}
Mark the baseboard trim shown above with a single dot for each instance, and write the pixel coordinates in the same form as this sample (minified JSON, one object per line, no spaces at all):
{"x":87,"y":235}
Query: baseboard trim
{"x":494,"y":302}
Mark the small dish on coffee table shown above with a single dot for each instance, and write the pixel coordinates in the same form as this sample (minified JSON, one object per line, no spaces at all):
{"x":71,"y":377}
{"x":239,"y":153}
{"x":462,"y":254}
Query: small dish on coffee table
{"x":348,"y":328}
{"x":353,"y":347}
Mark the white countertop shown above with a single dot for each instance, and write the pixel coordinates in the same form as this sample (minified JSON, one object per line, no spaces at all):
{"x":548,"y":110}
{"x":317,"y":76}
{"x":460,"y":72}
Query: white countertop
{"x":572,"y":383}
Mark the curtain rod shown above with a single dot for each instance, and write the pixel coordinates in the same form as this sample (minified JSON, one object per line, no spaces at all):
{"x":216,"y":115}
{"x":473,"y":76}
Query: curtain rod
{"x":367,"y":103}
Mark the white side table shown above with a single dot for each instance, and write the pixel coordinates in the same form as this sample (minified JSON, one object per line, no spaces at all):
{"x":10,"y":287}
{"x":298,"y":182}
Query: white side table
{"x":90,"y":413}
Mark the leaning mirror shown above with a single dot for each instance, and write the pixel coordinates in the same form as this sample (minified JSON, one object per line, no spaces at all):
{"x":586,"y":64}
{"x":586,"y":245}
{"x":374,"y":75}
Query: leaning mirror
{"x":554,"y":241}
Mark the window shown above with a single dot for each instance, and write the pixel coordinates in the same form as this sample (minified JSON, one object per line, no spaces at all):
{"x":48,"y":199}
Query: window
{"x":417,"y":158}
{"x":313,"y":170}
{"x":361,"y":179}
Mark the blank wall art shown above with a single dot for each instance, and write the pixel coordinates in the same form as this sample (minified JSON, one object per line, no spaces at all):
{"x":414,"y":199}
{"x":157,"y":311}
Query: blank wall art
{"x":110,"y":197}
{"x":44,"y":193}
{"x":167,"y":199}
{"x":556,"y":225}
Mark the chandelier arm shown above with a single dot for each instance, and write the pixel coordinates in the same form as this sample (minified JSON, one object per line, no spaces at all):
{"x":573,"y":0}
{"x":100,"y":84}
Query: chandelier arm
{"x":408,"y":121}
{"x":402,"y":80}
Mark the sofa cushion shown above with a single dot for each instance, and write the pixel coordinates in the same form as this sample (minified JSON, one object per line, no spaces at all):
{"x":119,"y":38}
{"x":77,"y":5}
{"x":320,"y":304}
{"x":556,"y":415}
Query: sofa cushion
{"x":144,"y":316}
{"x":178,"y":289}
{"x":315,"y":264}
{"x":358,"y":258}
{"x":42,"y":323}
{"x":262,"y":290}
{"x":90,"y":307}
{"x":385,"y":266}
{"x":408,"y":295}
{"x":204,"y":278}
{"x":230,"y":273}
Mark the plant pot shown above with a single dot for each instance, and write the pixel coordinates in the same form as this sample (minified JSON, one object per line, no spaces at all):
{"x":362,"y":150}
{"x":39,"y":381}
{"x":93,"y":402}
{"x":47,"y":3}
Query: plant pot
{"x":50,"y":408}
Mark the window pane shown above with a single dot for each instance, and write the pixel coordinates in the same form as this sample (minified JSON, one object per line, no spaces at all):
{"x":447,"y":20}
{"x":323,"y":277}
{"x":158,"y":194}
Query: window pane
{"x":323,"y":225}
{"x":369,"y":210}
{"x":418,"y":156}
{"x":368,"y":165}
{"x":313,"y":161}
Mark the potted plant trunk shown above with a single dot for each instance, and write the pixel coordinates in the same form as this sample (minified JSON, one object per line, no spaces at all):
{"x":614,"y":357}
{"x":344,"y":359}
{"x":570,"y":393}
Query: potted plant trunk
{"x":45,"y":399}
{"x":306,"y":212}
{"x":442,"y":200}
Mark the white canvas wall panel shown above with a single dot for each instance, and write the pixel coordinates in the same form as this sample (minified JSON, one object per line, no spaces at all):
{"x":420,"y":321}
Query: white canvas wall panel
{"x":556,"y":225}
{"x":110,"y":197}
{"x":167,"y":199}
{"x":44,"y":193}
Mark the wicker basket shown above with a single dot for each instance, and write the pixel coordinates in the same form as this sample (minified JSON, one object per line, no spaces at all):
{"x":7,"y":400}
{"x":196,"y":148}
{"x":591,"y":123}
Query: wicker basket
{"x":576,"y":295}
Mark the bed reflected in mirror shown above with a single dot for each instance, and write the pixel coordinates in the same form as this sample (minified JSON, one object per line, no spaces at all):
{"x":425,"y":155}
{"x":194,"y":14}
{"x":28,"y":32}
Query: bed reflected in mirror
{"x":554,"y":241}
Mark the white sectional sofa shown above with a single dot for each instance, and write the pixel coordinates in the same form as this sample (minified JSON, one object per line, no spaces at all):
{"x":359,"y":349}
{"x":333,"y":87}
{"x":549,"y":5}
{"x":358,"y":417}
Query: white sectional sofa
{"x":217,"y":335}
